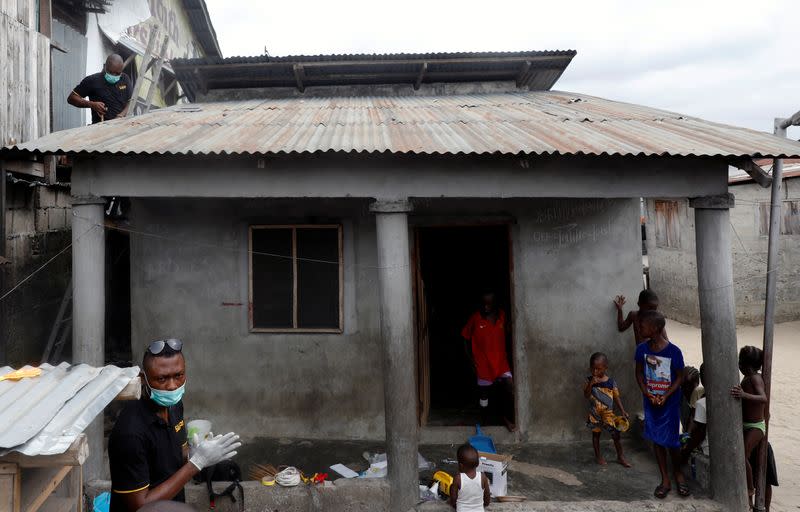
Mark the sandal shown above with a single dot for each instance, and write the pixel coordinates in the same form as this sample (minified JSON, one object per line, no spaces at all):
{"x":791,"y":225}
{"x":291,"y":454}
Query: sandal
{"x":683,"y":489}
{"x":661,"y":492}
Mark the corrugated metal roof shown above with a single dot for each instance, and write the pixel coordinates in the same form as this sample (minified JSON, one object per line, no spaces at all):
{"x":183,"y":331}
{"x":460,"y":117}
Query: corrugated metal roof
{"x":537,"y":123}
{"x":533,"y":70}
{"x":44,"y":415}
{"x":791,"y":169}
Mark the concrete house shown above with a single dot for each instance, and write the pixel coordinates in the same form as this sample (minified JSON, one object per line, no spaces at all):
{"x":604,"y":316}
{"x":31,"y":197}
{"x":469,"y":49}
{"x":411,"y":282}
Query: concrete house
{"x":317,"y":229}
{"x":671,"y":251}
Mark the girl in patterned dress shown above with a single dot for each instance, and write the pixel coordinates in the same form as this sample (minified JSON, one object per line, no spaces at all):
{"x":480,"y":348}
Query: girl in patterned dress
{"x":603,"y":395}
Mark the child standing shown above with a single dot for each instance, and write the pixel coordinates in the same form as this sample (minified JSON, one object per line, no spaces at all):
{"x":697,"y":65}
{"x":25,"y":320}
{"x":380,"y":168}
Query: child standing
{"x":754,"y":399}
{"x":659,"y":372}
{"x":648,"y":301}
{"x":469,"y":491}
{"x":603,"y":395}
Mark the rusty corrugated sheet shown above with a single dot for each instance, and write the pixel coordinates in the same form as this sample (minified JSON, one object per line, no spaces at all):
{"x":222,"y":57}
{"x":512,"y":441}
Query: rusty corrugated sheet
{"x":536,"y":123}
{"x":44,"y":415}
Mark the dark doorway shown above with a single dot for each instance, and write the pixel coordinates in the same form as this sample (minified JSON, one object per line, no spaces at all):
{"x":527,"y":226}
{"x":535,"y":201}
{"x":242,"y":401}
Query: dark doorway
{"x":455,"y":266}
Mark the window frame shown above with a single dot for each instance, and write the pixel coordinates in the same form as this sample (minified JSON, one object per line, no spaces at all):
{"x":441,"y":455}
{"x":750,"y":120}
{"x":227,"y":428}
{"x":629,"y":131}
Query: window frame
{"x":295,"y":328}
{"x":668,"y":243}
{"x":763,"y":213}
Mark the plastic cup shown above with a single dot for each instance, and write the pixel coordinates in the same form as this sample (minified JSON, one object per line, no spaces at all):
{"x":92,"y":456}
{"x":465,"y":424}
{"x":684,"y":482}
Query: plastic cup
{"x":200,"y":427}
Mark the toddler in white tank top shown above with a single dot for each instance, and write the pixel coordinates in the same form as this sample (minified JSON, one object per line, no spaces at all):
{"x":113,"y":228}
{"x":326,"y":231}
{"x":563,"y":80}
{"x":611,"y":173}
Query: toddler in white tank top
{"x":469,"y":491}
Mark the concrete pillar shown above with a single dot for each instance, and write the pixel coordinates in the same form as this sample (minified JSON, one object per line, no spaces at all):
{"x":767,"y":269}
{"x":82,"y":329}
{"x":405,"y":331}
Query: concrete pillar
{"x":89,"y":306}
{"x":399,"y":375}
{"x":718,"y":324}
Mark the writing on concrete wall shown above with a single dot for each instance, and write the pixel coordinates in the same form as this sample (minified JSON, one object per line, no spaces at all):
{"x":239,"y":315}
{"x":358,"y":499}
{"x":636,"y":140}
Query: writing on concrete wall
{"x":568,"y":222}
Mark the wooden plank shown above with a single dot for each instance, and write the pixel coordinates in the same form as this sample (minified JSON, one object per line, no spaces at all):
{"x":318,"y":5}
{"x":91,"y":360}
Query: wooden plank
{"x":299,"y":76}
{"x":75,"y":456}
{"x":39,"y":484}
{"x":421,"y":76}
{"x":75,"y":487}
{"x":9,"y":487}
{"x":45,"y":18}
{"x":28,"y":167}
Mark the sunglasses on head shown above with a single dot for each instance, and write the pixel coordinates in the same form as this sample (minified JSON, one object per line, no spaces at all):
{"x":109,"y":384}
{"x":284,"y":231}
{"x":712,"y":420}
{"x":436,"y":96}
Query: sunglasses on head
{"x":157,"y":346}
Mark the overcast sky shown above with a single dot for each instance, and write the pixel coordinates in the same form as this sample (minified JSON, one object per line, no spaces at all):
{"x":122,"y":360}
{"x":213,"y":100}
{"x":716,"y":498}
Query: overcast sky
{"x":730,"y":61}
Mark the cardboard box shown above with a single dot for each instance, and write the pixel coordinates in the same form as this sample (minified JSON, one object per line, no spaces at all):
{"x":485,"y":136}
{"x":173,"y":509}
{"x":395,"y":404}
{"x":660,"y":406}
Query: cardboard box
{"x":495,"y":467}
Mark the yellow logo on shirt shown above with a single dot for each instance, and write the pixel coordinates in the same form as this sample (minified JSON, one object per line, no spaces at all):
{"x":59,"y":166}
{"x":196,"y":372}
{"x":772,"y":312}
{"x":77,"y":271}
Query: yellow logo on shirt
{"x":179,"y":426}
{"x":123,"y":87}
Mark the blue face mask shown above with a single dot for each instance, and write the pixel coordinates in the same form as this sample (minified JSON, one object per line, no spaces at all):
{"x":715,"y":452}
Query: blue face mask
{"x":166,"y":398}
{"x":112,"y":79}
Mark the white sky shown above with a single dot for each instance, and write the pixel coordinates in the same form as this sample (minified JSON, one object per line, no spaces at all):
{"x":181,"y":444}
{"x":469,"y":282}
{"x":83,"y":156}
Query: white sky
{"x":732,"y":61}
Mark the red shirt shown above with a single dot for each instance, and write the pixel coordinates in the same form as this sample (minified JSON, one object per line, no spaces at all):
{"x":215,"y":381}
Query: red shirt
{"x":488,"y":345}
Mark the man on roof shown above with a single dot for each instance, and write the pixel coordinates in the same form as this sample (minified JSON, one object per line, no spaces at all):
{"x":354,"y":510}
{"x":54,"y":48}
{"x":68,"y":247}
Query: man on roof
{"x":109,"y":91}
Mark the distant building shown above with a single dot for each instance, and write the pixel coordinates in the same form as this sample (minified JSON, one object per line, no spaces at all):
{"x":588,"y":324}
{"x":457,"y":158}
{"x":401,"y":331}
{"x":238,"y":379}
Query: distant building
{"x":671,"y":250}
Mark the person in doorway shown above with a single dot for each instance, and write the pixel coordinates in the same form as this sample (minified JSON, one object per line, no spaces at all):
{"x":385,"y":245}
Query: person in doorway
{"x":469,"y":491}
{"x":109,"y":91}
{"x":648,"y":301}
{"x":753,"y":395}
{"x":485,"y":333}
{"x":147,"y":449}
{"x":603,"y":396}
{"x":659,"y":373}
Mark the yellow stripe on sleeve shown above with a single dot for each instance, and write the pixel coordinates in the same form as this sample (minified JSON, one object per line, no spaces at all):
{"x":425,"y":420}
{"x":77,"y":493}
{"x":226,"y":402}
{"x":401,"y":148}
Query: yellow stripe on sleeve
{"x":133,"y":490}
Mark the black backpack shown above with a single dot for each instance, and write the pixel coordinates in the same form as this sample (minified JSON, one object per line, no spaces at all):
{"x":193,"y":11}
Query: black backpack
{"x":225,"y":471}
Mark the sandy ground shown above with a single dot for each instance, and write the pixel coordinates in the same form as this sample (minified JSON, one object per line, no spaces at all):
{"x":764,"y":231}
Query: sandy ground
{"x":784,"y":432}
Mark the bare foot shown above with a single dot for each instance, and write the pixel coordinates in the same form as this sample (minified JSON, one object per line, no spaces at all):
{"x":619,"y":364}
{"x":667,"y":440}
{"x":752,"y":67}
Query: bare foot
{"x":602,"y":461}
{"x":624,"y":463}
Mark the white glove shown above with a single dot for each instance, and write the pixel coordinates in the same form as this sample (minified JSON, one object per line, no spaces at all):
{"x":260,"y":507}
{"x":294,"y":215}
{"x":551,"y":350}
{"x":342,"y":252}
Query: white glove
{"x":214,"y":450}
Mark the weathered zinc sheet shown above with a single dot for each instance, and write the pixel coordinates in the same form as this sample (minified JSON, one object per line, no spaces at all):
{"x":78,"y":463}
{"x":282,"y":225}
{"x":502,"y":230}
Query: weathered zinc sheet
{"x":44,"y":415}
{"x":540,"y":123}
{"x":24,"y":74}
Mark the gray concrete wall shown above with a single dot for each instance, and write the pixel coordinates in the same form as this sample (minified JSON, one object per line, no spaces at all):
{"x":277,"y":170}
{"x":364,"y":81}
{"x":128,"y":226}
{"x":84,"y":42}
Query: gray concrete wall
{"x":259,"y":384}
{"x":570,"y":257}
{"x":673,"y":272}
{"x":38,"y":227}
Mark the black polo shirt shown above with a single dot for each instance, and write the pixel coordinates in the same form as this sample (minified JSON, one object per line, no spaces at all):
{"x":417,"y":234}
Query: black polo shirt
{"x":143,"y":450}
{"x":115,"y":96}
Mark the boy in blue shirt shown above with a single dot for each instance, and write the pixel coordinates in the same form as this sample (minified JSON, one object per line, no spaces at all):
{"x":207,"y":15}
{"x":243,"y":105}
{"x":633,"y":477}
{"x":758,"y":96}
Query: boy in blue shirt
{"x":659,"y":372}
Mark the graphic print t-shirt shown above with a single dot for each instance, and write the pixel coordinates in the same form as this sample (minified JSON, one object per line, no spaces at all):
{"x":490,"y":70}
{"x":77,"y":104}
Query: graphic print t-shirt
{"x":660,"y":368}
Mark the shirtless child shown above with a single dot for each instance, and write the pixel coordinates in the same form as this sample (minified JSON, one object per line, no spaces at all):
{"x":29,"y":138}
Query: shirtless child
{"x":648,"y":301}
{"x":754,"y":399}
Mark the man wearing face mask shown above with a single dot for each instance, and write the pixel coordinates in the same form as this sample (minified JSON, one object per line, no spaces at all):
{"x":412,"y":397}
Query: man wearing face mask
{"x":108,"y":91}
{"x":147,"y":449}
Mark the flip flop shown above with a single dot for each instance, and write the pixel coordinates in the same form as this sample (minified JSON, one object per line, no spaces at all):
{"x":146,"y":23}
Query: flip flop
{"x":683,"y":490}
{"x":661,"y":492}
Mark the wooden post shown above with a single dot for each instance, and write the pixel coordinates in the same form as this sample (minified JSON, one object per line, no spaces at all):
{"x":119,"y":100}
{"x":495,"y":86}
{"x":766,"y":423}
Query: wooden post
{"x":9,"y":487}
